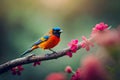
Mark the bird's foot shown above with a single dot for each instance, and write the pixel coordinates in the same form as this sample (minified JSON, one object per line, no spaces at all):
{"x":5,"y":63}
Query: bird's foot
{"x":53,"y":51}
{"x":47,"y":55}
{"x":52,"y":54}
{"x":31,"y":55}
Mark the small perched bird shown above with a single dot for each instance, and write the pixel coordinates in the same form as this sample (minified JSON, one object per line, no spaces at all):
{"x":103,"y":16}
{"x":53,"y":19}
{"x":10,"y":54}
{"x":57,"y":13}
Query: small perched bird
{"x":48,"y":41}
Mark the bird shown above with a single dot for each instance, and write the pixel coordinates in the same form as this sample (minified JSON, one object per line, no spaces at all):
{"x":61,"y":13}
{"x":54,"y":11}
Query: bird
{"x":48,"y":41}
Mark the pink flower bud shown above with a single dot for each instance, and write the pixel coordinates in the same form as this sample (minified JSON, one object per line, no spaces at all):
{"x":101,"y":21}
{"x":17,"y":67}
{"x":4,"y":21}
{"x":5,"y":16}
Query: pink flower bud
{"x":68,"y":69}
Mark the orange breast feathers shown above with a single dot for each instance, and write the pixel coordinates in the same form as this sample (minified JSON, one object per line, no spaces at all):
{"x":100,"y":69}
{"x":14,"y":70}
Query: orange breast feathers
{"x":50,"y":43}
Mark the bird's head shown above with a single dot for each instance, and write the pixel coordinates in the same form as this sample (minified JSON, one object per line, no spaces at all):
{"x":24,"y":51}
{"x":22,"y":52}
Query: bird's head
{"x":56,"y":31}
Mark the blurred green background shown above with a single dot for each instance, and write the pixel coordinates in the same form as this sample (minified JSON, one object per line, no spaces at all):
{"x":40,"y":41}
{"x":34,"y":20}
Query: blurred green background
{"x":22,"y":22}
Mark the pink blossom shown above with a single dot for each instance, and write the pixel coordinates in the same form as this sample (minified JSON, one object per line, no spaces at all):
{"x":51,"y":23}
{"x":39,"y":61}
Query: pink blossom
{"x":101,"y":26}
{"x":36,"y":63}
{"x":109,"y":38}
{"x":56,"y":76}
{"x":76,"y":75}
{"x":17,"y":70}
{"x":73,"y":45}
{"x":68,"y":69}
{"x":92,"y":69}
{"x":69,"y":53}
{"x":86,"y":43}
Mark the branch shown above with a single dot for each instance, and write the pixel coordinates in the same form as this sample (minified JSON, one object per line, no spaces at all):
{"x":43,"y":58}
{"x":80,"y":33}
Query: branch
{"x":86,"y":43}
{"x":32,"y":58}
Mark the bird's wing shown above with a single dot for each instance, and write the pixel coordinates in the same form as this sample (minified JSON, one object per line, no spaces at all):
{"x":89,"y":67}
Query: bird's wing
{"x":42,"y":39}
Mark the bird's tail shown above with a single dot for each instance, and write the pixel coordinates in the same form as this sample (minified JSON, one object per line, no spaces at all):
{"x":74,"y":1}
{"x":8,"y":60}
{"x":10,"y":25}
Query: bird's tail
{"x":26,"y":52}
{"x":29,"y":50}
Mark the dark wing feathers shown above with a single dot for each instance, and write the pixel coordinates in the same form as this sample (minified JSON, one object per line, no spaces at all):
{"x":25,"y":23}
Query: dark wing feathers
{"x":42,"y":39}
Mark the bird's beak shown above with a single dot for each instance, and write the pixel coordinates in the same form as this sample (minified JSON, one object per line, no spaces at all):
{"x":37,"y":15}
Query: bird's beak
{"x":61,"y":31}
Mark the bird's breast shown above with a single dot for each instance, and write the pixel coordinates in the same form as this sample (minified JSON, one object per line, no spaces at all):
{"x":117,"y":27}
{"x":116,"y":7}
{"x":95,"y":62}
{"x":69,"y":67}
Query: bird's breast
{"x":50,"y":43}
